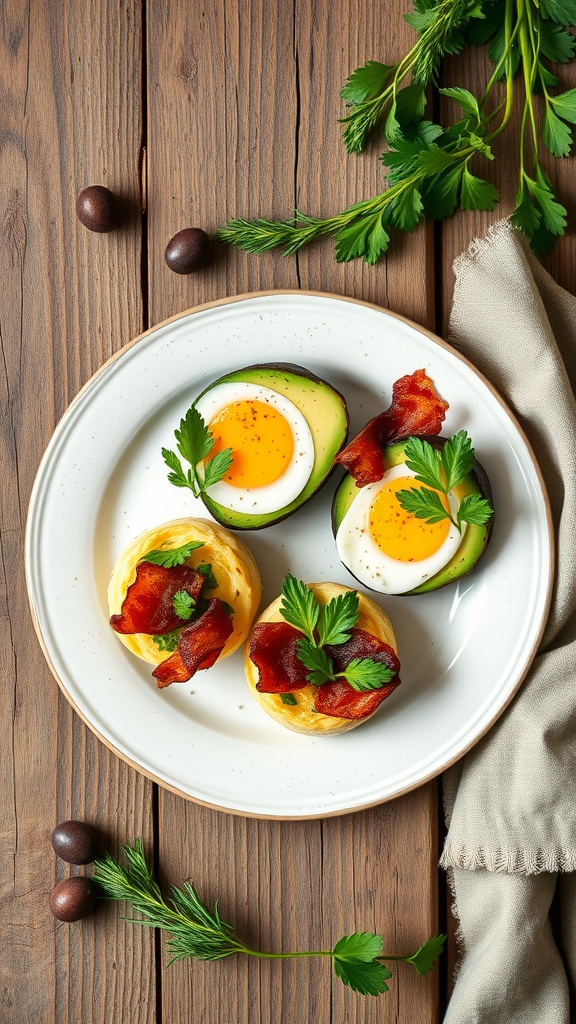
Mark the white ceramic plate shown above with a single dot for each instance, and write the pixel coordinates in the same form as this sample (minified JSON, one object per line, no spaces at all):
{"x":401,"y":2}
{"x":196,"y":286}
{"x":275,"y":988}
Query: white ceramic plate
{"x":464,"y":650}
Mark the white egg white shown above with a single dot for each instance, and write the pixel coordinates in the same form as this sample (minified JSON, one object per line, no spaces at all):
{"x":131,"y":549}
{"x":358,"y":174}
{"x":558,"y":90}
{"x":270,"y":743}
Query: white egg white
{"x":365,"y":560}
{"x":276,"y":495}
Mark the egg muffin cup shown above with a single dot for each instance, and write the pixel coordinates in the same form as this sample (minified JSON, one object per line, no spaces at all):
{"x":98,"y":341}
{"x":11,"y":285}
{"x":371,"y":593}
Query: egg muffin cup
{"x":232,"y":563}
{"x":301,"y":717}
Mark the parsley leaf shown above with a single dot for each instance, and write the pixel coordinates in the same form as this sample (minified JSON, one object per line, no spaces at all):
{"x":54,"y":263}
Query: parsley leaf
{"x":217,"y":467}
{"x":184,"y":605}
{"x":317,"y":660}
{"x":423,"y":504}
{"x":364,"y":946}
{"x":367,"y":81}
{"x":442,"y":470}
{"x":561,"y":11}
{"x":355,"y":963}
{"x":565,"y":103}
{"x":367,"y":674}
{"x":475,"y":510}
{"x":170,"y":557}
{"x":476,"y":193}
{"x":195,"y":442}
{"x":299,"y":607}
{"x":289,"y":700}
{"x":367,"y":978}
{"x":457,"y":459}
{"x":205,"y":570}
{"x":425,"y":958}
{"x":556,"y":134}
{"x":167,"y":641}
{"x":337,"y":618}
{"x":177,"y":476}
{"x":465,"y":99}
{"x":193,"y":439}
{"x":556,"y":43}
{"x":425,"y":461}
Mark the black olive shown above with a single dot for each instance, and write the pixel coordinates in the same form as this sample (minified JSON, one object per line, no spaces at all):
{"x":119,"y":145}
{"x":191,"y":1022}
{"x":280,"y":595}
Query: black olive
{"x":98,"y":208}
{"x":187,"y":251}
{"x":73,"y":898}
{"x":75,"y":842}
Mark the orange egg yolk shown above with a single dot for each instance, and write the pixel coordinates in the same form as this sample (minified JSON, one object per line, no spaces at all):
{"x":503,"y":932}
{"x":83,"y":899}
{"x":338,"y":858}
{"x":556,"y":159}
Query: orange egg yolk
{"x":261,"y":440}
{"x":400,"y":534}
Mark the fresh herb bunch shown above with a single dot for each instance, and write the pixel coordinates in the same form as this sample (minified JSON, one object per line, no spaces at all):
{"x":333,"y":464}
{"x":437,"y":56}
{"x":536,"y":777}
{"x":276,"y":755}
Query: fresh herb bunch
{"x":194,"y":441}
{"x":200,"y":933}
{"x":430,"y":167}
{"x":443,"y":471}
{"x":330,"y":624}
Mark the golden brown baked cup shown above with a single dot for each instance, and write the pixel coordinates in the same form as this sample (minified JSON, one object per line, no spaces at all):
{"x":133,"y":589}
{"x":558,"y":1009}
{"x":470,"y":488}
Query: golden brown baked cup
{"x":232,"y":563}
{"x":302,"y":718}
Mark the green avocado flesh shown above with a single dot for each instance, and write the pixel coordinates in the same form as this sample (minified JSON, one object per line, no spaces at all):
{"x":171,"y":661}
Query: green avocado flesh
{"x":474,"y":540}
{"x":323,"y":408}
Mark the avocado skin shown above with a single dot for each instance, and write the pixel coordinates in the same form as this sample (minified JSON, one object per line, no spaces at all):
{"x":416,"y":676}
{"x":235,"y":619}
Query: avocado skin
{"x":318,"y":401}
{"x":475,"y":539}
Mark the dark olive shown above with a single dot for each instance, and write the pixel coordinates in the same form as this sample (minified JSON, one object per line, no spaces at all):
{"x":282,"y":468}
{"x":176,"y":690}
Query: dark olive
{"x":187,"y":251}
{"x":73,"y":898}
{"x":98,"y":208}
{"x":75,"y":842}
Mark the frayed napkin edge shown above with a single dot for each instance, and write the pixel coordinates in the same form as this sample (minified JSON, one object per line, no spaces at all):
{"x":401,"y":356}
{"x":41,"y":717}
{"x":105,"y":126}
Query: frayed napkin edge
{"x":511,"y":862}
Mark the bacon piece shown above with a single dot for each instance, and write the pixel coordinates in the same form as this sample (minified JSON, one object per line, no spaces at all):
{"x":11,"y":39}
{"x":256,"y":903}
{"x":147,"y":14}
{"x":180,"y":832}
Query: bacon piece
{"x":415,"y":409}
{"x":149,"y":603}
{"x":273,"y":649}
{"x":199,"y":645}
{"x":339,"y":699}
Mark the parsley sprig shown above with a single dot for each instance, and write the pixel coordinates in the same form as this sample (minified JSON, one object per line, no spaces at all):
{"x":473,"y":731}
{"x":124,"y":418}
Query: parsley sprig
{"x":169,"y":557}
{"x":442,"y":470}
{"x":330,"y":624}
{"x":198,"y":932}
{"x":432,"y":168}
{"x":194,"y":441}
{"x":184,"y":605}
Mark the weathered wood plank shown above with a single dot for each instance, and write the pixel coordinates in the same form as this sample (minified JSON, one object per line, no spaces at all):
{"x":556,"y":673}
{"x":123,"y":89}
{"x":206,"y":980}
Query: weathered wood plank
{"x":242,"y":120}
{"x":71,"y":115}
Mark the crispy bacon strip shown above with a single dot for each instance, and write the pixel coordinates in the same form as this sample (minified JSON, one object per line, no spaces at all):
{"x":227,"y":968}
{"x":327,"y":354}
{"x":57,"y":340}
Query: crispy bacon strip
{"x":149,"y":603}
{"x":273,"y":649}
{"x":199,"y":645}
{"x":415,"y":409}
{"x":341,"y":700}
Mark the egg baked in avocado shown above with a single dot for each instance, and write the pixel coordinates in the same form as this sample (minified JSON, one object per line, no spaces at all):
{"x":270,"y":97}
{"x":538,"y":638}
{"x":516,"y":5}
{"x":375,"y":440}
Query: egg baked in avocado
{"x":404,"y":535}
{"x":183,"y":595}
{"x":321,"y":658}
{"x":412,"y":514}
{"x":260,"y":442}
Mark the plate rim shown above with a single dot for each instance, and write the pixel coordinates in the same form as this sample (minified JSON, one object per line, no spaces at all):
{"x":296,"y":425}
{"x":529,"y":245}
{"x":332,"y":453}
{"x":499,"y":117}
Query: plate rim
{"x":229,"y":300}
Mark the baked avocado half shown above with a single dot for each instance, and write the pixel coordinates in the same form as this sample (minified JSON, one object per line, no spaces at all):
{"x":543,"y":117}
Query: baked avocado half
{"x":474,"y":538}
{"x":310,"y":415}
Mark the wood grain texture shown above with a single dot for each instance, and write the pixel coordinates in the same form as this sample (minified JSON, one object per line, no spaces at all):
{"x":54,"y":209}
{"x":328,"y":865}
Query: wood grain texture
{"x":236,"y":106}
{"x":70,"y":114}
{"x":243,"y":115}
{"x":458,"y":232}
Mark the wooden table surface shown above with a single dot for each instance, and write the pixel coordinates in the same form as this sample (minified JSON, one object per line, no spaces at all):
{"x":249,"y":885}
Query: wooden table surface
{"x":192,"y":113}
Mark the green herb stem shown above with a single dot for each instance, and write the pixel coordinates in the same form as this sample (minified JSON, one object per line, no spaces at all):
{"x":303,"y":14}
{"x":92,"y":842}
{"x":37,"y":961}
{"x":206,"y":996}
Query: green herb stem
{"x":198,"y":933}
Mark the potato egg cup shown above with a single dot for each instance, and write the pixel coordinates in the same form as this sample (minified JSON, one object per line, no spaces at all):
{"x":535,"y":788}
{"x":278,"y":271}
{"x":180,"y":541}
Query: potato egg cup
{"x":232,"y":563}
{"x":302,"y":718}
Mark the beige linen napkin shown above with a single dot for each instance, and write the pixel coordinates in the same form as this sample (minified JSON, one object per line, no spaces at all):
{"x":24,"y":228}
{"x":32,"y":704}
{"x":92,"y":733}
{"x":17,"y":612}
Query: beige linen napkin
{"x":511,"y":802}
